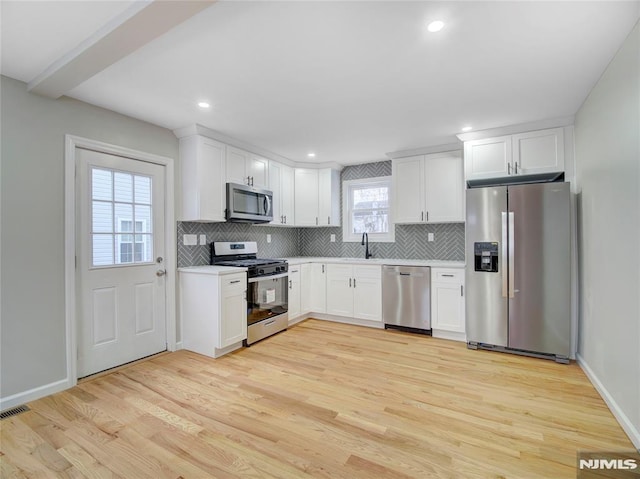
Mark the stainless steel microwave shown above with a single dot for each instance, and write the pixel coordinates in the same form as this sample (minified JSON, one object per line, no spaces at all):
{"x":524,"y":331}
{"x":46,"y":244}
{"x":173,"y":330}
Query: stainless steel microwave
{"x":246,"y":204}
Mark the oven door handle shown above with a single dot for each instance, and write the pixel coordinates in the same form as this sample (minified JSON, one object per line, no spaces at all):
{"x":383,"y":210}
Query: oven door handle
{"x":273,"y":276}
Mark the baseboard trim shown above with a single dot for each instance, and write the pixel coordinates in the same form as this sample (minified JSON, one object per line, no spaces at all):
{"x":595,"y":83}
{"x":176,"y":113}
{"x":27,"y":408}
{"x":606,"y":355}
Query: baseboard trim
{"x":618,"y":413}
{"x":451,"y":335}
{"x":33,"y":394}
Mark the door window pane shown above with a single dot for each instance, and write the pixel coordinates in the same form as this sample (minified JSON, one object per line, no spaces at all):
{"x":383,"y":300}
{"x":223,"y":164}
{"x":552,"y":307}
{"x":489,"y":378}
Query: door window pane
{"x":143,"y":190}
{"x":101,"y":184}
{"x":102,"y":250}
{"x":123,"y":187}
{"x":102,"y":217}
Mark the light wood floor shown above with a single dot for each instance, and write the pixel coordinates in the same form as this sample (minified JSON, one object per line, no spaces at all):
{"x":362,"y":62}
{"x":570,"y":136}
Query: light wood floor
{"x":320,"y":400}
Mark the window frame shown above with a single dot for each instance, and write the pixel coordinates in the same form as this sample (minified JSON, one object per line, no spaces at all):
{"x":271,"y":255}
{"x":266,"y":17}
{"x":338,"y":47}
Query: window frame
{"x":347,"y":209}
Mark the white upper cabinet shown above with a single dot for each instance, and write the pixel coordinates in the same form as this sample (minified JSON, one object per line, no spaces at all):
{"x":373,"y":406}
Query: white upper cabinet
{"x":529,"y":153}
{"x":444,"y":188}
{"x":306,"y":197}
{"x":246,"y":168}
{"x":428,"y":188}
{"x":202,"y":163}
{"x":487,"y":158}
{"x":317,"y":197}
{"x":408,"y":189}
{"x":281,"y":183}
{"x":538,"y":151}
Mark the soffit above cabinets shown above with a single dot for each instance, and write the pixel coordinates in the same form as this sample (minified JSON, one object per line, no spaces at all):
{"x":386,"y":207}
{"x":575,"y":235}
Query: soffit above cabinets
{"x":346,"y":80}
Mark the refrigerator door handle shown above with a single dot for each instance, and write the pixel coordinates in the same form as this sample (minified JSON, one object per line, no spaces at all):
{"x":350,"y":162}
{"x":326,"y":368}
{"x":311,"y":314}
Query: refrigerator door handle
{"x":505,"y":241}
{"x":512,"y":255}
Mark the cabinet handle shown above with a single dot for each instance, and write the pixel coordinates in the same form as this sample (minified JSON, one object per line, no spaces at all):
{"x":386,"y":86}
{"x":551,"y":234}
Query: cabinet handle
{"x":234,"y":281}
{"x":323,"y":268}
{"x":290,"y":284}
{"x":248,"y":180}
{"x":516,"y":168}
{"x":427,"y":216}
{"x":448,"y":275}
{"x":316,"y":221}
{"x":349,"y":282}
{"x":354,"y":282}
{"x":285,"y":219}
{"x":508,"y":168}
{"x":422,"y":216}
{"x":461,"y":290}
{"x":252,"y":181}
{"x":328,"y":220}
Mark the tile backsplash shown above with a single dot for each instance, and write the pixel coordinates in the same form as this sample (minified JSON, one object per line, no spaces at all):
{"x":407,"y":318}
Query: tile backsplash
{"x":411,"y":240}
{"x":284,"y":241}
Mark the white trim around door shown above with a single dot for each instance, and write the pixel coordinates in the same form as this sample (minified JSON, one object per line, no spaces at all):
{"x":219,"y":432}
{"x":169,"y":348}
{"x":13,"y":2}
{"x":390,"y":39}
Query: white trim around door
{"x":71,"y":143}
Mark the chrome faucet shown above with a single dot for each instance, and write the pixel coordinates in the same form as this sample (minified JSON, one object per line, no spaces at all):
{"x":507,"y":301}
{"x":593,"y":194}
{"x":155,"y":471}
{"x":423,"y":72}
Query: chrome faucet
{"x":365,"y":243}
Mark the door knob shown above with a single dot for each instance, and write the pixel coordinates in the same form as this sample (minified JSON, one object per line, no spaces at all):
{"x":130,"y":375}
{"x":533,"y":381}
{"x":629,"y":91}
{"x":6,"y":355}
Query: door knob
{"x":161,"y":272}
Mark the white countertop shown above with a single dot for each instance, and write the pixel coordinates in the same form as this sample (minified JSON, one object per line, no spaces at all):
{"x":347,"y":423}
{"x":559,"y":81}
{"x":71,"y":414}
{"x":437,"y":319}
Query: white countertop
{"x":380,"y":261}
{"x":212,"y":269}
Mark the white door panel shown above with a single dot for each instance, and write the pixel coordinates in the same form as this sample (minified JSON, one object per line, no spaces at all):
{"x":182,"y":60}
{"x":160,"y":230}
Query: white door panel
{"x":121,"y":298}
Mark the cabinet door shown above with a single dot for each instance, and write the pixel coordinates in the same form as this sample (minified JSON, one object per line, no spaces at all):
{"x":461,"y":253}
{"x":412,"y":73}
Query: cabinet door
{"x":447,"y":307}
{"x":287,"y":190}
{"x":294,"y":292}
{"x":537,"y":152}
{"x":258,"y":170}
{"x":237,"y":160}
{"x":275,"y":185}
{"x":367,"y":292}
{"x":340,"y":290}
{"x":328,"y":197}
{"x":487,"y":158}
{"x":444,"y":189}
{"x":317,"y":288}
{"x":408,"y":190}
{"x":233,"y":311}
{"x":306,"y":197}
{"x":203,"y":179}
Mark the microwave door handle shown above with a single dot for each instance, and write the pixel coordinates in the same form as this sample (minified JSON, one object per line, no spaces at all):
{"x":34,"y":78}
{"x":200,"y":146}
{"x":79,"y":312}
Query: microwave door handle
{"x":267,"y":204}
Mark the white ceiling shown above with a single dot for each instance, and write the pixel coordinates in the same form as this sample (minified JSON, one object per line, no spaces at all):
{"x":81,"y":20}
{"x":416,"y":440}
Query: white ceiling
{"x":349,"y":80}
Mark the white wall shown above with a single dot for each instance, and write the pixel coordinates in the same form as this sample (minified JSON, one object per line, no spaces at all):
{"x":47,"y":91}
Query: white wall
{"x":607,"y":140}
{"x":32,"y":223}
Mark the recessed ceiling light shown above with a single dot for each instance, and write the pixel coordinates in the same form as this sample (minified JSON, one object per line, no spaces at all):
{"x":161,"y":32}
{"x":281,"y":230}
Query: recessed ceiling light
{"x":311,"y":155}
{"x":467,"y":128}
{"x":203,"y":105}
{"x":435,"y":26}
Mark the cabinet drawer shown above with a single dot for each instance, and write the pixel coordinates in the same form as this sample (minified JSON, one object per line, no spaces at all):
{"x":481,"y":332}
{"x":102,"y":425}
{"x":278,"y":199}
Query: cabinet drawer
{"x":234,"y":281}
{"x":448,"y":276}
{"x":368,"y":271}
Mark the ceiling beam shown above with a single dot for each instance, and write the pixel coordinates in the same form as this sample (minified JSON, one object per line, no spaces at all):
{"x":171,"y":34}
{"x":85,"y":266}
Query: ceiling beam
{"x":135,"y":27}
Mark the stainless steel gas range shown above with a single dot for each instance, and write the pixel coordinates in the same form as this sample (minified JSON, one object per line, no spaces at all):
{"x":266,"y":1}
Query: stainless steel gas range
{"x":267,"y":291}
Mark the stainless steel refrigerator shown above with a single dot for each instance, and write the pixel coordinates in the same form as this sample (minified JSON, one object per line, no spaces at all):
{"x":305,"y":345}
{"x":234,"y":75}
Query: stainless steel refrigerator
{"x":518,"y":272}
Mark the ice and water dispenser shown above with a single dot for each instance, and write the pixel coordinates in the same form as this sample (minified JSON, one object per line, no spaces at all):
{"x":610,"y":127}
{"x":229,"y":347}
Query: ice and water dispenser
{"x":486,"y":257}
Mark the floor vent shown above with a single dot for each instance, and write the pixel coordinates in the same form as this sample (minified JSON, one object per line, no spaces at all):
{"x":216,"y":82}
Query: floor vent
{"x":13,"y":411}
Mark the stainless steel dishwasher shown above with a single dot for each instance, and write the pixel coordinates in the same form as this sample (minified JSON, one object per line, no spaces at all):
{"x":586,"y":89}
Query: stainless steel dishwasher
{"x":406,"y":298}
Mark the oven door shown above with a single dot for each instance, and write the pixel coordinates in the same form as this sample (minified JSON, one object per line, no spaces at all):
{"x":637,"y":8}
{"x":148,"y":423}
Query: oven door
{"x":267,"y":297}
{"x":246,"y":204}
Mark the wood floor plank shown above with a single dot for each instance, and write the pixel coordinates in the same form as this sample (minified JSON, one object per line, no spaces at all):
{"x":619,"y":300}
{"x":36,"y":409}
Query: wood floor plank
{"x":320,"y":400}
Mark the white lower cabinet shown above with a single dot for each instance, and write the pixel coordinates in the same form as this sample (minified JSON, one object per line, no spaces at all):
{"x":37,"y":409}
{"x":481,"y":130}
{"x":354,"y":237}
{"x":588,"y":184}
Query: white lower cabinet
{"x":355,"y":291}
{"x":447,"y":303}
{"x":313,"y":287}
{"x":213,"y":311}
{"x":295,"y":307}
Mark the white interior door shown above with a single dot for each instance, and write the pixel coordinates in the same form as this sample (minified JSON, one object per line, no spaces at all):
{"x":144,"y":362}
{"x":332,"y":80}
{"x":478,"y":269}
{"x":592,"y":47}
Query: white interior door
{"x":120,"y":260}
